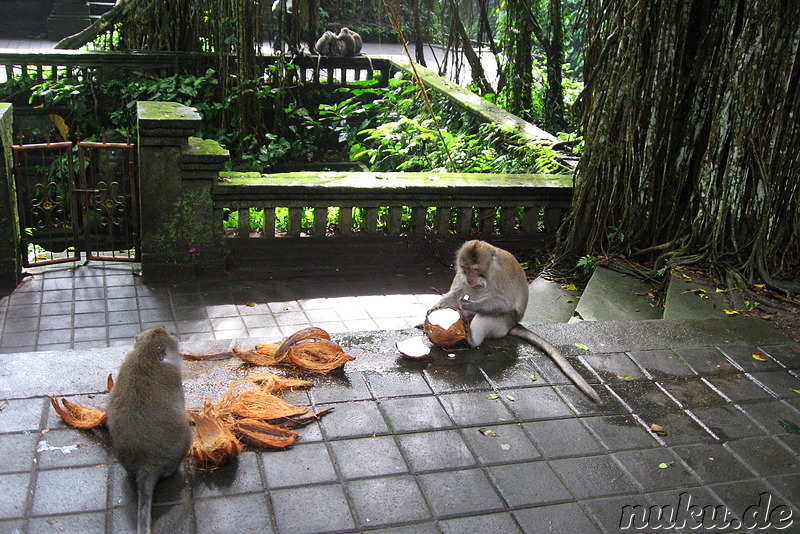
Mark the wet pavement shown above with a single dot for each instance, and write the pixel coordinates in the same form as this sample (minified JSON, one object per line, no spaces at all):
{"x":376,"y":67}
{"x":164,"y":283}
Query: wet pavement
{"x":488,"y":440}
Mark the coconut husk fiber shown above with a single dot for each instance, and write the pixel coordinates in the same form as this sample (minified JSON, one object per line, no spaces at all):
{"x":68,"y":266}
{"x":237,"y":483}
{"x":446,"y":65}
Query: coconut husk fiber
{"x":214,"y":442}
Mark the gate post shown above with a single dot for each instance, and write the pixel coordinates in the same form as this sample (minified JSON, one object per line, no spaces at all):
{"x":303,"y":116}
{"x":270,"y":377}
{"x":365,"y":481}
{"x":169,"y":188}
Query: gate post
{"x":176,"y":176}
{"x":10,"y":264}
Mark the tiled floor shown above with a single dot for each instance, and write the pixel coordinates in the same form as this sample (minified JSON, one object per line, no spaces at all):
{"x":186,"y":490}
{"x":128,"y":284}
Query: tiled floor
{"x":100,"y":305}
{"x":462,"y":444}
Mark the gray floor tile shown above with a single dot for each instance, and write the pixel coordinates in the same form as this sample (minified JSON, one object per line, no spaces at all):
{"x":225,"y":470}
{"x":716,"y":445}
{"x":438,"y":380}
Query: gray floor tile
{"x":593,"y":476}
{"x":48,"y":497}
{"x":250,"y":513}
{"x":312,"y":509}
{"x":367,"y":457}
{"x":302,"y":464}
{"x":444,"y":449}
{"x":567,"y":518}
{"x":415,"y":414}
{"x":454,"y":493}
{"x":388,"y":501}
{"x":529,"y":484}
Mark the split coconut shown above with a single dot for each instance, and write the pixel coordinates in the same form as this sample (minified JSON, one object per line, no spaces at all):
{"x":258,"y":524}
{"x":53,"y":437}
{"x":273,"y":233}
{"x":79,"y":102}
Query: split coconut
{"x":445,"y":327}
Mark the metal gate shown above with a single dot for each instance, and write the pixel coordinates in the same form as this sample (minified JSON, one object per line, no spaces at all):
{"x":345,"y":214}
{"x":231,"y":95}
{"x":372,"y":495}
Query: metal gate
{"x":77,"y":199}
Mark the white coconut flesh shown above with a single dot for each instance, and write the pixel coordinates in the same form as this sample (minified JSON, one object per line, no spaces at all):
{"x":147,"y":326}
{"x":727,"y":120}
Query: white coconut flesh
{"x":444,"y":317}
{"x":414,"y":347}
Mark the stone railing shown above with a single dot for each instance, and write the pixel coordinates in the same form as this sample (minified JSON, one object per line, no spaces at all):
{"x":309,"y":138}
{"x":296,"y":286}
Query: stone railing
{"x":379,"y":220}
{"x":42,"y":65}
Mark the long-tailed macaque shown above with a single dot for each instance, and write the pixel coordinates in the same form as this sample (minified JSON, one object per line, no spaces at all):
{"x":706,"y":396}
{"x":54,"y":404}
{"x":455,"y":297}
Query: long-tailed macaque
{"x":329,"y":45}
{"x":352,"y":42}
{"x":491,"y":290}
{"x":147,"y":418}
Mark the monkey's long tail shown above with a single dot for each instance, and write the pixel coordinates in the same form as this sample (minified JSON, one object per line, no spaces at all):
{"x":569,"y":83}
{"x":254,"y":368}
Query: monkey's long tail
{"x":523,"y":333}
{"x":145,"y":485}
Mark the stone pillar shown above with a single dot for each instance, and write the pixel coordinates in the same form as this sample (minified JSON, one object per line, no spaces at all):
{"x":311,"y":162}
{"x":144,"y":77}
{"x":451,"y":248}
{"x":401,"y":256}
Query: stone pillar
{"x":10,"y":261}
{"x":179,"y":237}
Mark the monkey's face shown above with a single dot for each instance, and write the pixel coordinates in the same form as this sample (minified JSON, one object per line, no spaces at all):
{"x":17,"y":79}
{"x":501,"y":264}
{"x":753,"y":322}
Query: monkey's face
{"x":474,"y":274}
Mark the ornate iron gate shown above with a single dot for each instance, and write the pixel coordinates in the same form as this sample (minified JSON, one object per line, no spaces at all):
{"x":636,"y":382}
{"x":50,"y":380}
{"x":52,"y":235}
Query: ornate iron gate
{"x":67,"y":211}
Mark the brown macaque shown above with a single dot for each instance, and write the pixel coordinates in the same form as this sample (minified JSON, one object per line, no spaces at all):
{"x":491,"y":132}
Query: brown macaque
{"x":147,"y":418}
{"x":491,"y":290}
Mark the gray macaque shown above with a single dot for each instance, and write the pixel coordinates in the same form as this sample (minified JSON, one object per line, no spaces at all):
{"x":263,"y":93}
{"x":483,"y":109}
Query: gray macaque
{"x":329,"y":45}
{"x":352,"y":42}
{"x":491,"y":290}
{"x":147,"y":418}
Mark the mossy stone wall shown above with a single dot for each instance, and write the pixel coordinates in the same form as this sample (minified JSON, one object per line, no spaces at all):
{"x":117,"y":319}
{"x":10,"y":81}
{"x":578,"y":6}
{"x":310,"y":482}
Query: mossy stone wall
{"x":177,"y":172}
{"x":10,"y":262}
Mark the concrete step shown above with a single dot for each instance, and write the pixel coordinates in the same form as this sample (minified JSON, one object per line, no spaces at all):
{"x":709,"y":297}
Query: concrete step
{"x":613,"y":296}
{"x":690,"y":299}
{"x":98,"y":9}
{"x":549,"y":302}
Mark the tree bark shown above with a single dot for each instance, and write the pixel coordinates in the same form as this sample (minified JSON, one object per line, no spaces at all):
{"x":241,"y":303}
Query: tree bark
{"x":689,"y":118}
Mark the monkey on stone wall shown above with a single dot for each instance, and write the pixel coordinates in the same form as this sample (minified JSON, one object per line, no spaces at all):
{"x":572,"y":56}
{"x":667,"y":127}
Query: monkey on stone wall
{"x":346,"y":43}
{"x":491,"y":290}
{"x":147,"y":418}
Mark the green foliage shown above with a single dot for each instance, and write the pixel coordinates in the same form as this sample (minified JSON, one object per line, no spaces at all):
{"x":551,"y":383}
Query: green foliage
{"x":587,"y":263}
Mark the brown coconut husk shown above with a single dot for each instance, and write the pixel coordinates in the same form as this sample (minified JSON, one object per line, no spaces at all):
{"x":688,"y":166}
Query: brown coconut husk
{"x":256,"y":404}
{"x":304,"y":333}
{"x":258,"y":357}
{"x":214,"y":443}
{"x":260,"y":434}
{"x":318,"y":356}
{"x":272,"y":383}
{"x":82,"y":417}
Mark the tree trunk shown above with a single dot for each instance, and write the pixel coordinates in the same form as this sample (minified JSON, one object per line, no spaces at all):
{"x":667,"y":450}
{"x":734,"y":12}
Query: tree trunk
{"x":690,"y":121}
{"x":554,"y":51}
{"x":520,"y":68}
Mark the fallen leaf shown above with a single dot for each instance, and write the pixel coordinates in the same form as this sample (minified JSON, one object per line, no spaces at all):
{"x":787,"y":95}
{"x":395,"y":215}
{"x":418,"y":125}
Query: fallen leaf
{"x":534,"y":378}
{"x":758,"y":356}
{"x":505,"y":446}
{"x":658,"y":429}
{"x":493,"y":396}
{"x":627,"y":378}
{"x":789,"y":426}
{"x":511,"y":398}
{"x":796,"y":391}
{"x":664,"y":465}
{"x":581,"y":346}
{"x":487,"y":432}
{"x":731,"y":312}
{"x":251,"y":304}
{"x":572,"y":287}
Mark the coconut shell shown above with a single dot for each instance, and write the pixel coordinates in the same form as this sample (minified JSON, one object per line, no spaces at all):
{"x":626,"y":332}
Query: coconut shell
{"x":445,"y":337}
{"x":81,"y":417}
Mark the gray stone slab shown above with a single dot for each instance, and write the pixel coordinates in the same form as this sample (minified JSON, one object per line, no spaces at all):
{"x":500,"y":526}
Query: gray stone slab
{"x":549,"y":302}
{"x":687,"y":299}
{"x":612,"y":296}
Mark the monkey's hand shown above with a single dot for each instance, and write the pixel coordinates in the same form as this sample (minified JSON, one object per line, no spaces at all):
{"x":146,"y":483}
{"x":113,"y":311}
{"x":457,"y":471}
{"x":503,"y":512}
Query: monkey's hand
{"x":484,"y":306}
{"x":448,"y":301}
